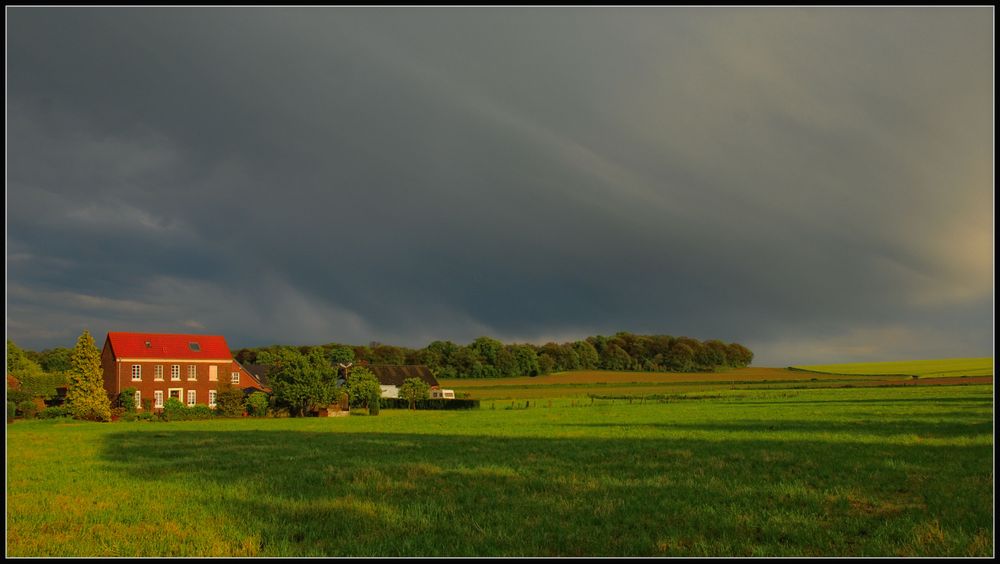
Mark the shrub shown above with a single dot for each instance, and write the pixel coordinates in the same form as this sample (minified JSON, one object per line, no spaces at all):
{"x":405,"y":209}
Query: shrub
{"x":53,"y":412}
{"x":18,"y":396}
{"x":28,"y":409}
{"x":200,"y":412}
{"x":117,"y":412}
{"x":126,"y":400}
{"x":43,"y":384}
{"x":11,"y":411}
{"x":229,"y":401}
{"x":147,"y":405}
{"x":173,"y":410}
{"x":145,"y":416}
{"x":257,"y":404}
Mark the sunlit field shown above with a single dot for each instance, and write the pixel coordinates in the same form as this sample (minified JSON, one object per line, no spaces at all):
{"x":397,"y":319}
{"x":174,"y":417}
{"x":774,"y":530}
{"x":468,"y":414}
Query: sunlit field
{"x":941,"y":368}
{"x":638,"y":385}
{"x":896,"y":471}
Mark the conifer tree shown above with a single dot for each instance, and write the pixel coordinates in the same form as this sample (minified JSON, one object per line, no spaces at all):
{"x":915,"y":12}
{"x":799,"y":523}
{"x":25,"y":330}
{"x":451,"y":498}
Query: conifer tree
{"x":85,"y":396}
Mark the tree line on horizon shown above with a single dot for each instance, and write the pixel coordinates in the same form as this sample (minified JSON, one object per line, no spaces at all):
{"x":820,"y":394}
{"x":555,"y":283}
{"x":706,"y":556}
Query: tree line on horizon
{"x":486,"y":357}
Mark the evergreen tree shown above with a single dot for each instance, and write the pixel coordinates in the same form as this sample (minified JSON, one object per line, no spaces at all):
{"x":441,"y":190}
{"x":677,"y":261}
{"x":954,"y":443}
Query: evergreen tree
{"x":85,"y":395}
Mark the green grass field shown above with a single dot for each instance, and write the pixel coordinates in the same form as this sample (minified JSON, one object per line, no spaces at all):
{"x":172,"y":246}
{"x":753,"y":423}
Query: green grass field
{"x":793,"y":472}
{"x":941,"y":368}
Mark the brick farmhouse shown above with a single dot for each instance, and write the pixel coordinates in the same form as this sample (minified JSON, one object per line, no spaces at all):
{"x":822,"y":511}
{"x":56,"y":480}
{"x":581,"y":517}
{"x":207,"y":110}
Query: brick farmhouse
{"x":189,"y":368}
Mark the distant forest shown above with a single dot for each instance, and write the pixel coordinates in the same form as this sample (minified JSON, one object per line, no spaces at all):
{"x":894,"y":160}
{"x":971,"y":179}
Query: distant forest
{"x":489,"y":358}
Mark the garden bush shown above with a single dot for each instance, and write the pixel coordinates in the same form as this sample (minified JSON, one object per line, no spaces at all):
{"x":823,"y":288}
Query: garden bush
{"x":126,"y":400}
{"x":175,"y":410}
{"x":28,"y":409}
{"x":257,"y":404}
{"x":54,"y":412}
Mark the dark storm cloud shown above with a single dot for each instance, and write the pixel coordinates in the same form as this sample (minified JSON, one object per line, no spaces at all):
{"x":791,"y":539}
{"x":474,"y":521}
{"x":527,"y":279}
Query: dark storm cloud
{"x":815,"y":183}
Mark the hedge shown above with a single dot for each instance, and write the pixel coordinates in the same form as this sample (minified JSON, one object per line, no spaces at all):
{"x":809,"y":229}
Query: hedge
{"x":433,"y":403}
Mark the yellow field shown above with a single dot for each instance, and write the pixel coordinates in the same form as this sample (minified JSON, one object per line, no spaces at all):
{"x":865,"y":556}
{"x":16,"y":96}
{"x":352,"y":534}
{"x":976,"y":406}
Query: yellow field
{"x":939,"y":368}
{"x":637,"y":384}
{"x":613,"y":377}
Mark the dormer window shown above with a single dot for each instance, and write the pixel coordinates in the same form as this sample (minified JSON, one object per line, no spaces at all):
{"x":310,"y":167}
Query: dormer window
{"x":195,"y":346}
{"x":149,"y":345}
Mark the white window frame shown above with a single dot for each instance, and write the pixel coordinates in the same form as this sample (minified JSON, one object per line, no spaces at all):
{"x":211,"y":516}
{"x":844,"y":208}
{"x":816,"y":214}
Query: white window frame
{"x":158,"y":398}
{"x":212,"y":394}
{"x":234,"y":377}
{"x":138,"y":399}
{"x":192,"y":397}
{"x":158,"y":372}
{"x":136,"y":372}
{"x":180,"y":393}
{"x":175,"y":372}
{"x":192,"y":372}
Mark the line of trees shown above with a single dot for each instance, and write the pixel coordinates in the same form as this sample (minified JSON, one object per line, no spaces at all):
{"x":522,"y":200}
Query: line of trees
{"x":486,"y":357}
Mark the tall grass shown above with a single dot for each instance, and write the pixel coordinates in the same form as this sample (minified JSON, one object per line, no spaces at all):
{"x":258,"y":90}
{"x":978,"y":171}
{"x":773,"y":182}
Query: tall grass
{"x":848,"y":472}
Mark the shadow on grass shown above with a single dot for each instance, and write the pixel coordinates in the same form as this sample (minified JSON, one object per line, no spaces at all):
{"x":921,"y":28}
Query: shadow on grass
{"x":971,"y":401}
{"x":334,"y":493}
{"x":925,"y":427}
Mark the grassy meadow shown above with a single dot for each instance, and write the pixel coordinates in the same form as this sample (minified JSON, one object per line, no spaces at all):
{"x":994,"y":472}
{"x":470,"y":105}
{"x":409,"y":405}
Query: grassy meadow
{"x":893,"y":471}
{"x":940,"y":368}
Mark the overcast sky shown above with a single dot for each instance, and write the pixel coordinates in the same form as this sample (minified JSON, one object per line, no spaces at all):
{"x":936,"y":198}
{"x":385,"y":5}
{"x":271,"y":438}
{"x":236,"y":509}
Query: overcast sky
{"x":816,"y":184}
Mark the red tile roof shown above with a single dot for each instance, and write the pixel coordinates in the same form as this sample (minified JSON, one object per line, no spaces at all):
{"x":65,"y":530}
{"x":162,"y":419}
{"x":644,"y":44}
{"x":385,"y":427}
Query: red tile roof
{"x":133,"y":345}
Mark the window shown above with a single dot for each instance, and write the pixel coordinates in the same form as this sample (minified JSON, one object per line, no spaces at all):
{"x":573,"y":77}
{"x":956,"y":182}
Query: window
{"x":175,"y":372}
{"x":138,"y":400}
{"x":235,"y":378}
{"x":211,"y":398}
{"x":213,"y":373}
{"x":195,"y":346}
{"x":191,"y":397}
{"x":137,"y":372}
{"x":158,"y":372}
{"x":158,"y":398}
{"x":192,"y":372}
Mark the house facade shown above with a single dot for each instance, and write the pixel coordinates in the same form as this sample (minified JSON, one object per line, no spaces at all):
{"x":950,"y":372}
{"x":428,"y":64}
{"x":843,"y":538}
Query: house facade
{"x":161,"y":366}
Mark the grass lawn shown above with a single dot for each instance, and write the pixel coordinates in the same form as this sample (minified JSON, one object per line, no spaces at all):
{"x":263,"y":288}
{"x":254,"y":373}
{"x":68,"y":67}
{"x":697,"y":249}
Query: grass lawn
{"x":811,"y":472}
{"x":941,"y":368}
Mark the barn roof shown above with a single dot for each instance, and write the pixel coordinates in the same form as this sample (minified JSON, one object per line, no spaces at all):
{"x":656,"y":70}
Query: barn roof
{"x":160,"y":345}
{"x":396,"y":374}
{"x":259,"y":371}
